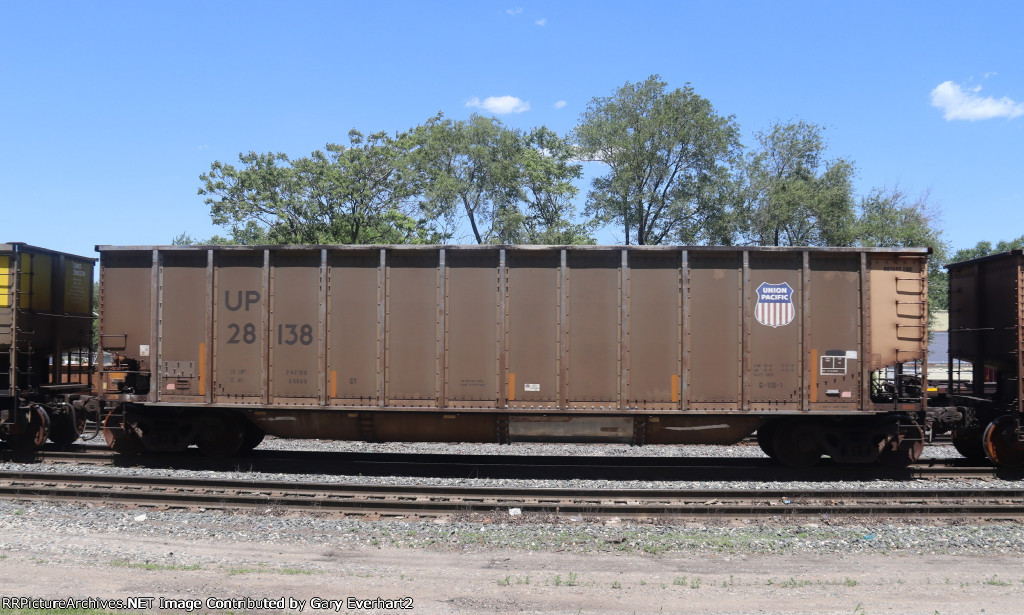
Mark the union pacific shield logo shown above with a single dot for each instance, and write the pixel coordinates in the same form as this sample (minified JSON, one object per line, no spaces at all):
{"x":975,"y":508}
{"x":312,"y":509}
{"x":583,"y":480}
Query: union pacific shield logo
{"x":774,"y":304}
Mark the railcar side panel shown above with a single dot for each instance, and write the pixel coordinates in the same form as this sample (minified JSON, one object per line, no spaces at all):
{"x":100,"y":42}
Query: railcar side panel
{"x":594,"y":320}
{"x":127,"y":322}
{"x":413,"y":325}
{"x":239,"y":331}
{"x":295,"y":333}
{"x":472,"y":326}
{"x":835,"y":336}
{"x":714,"y":345}
{"x":534,"y":323}
{"x":653,"y":348}
{"x":355,"y":321}
{"x":774,"y":332}
{"x":181,"y":373}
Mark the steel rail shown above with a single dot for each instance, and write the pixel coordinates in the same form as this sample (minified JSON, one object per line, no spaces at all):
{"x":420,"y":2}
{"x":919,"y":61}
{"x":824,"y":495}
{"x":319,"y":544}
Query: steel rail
{"x":419,"y":500}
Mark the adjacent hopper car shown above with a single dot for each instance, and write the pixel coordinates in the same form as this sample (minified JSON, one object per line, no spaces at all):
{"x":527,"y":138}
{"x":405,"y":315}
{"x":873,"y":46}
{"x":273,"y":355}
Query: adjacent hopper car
{"x":819,"y":351}
{"x":986,"y":333}
{"x":46,"y":333}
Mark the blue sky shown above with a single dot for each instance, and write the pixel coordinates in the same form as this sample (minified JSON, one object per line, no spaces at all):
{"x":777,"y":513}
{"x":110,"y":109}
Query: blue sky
{"x":109,"y":111}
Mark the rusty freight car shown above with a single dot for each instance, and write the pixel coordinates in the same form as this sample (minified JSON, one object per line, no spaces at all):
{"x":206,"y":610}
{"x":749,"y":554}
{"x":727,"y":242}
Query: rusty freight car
{"x":45,"y":345}
{"x":819,"y":350}
{"x":986,"y":320}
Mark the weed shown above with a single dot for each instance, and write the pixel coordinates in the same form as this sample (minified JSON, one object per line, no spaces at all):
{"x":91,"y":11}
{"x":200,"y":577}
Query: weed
{"x":996,"y":581}
{"x":294,"y":571}
{"x":616,"y":585}
{"x":123,"y":563}
{"x":505,"y":582}
{"x":236,"y":571}
{"x":794,"y":583}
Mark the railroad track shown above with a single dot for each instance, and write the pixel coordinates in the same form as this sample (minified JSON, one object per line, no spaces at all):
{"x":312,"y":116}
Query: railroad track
{"x":432,"y":501}
{"x":526,"y":467}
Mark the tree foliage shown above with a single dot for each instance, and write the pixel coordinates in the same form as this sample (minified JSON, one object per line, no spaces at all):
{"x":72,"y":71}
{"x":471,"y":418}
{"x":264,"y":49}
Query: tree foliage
{"x":985,"y":248}
{"x":668,"y":156}
{"x":509,"y":186}
{"x":795,"y":197}
{"x":354,"y":194}
{"x":674,"y":174}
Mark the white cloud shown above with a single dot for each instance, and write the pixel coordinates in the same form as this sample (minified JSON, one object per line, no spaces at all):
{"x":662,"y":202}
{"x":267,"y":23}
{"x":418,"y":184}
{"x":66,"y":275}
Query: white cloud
{"x":560,"y":104}
{"x":499,"y":104}
{"x":542,"y":22}
{"x":960,"y":104}
{"x":514,"y":11}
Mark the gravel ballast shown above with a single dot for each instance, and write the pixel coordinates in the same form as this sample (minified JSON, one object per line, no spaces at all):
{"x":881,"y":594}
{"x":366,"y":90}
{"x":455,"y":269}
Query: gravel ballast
{"x":496,"y":564}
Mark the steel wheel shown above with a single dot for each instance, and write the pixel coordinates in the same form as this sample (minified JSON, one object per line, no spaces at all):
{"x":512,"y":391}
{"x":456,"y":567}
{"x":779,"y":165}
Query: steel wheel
{"x":967,"y":442}
{"x":220,"y":435}
{"x":1001,"y":444}
{"x":118,"y":438}
{"x":797,"y":444}
{"x":253,"y":436}
{"x":905,"y":448}
{"x":766,"y":437}
{"x":67,"y":427}
{"x":36,"y":430}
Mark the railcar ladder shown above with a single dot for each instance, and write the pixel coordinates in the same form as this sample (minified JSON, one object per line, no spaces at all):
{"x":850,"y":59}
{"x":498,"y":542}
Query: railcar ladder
{"x":7,"y":307}
{"x":911,"y":326}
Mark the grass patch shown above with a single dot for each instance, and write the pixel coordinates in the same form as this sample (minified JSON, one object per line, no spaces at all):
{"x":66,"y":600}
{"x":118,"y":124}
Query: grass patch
{"x":264,"y":570}
{"x":123,"y":563}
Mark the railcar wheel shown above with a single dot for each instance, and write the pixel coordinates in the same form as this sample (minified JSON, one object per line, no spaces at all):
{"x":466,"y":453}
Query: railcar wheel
{"x":66,"y":428}
{"x":766,"y":437}
{"x":905,"y":448}
{"x":36,"y":431}
{"x":252,"y":437}
{"x":1001,"y":444}
{"x":119,"y":439}
{"x":220,"y":435}
{"x":967,"y":442}
{"x":797,"y":444}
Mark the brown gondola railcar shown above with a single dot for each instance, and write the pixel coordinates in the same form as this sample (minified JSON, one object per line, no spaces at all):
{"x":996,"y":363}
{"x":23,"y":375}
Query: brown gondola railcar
{"x":821,"y":351}
{"x":46,"y":334}
{"x":986,"y":320}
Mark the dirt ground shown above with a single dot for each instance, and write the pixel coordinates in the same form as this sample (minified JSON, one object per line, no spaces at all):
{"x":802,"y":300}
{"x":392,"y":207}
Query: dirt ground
{"x":508,"y":581}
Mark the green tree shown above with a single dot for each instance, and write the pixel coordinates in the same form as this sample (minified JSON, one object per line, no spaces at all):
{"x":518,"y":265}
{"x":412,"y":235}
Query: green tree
{"x":355,"y":194}
{"x":668,"y":154}
{"x":547,"y":169}
{"x":466,"y":170}
{"x":984,"y":248}
{"x":890,"y":218}
{"x":795,"y":197}
{"x":508,"y":186}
